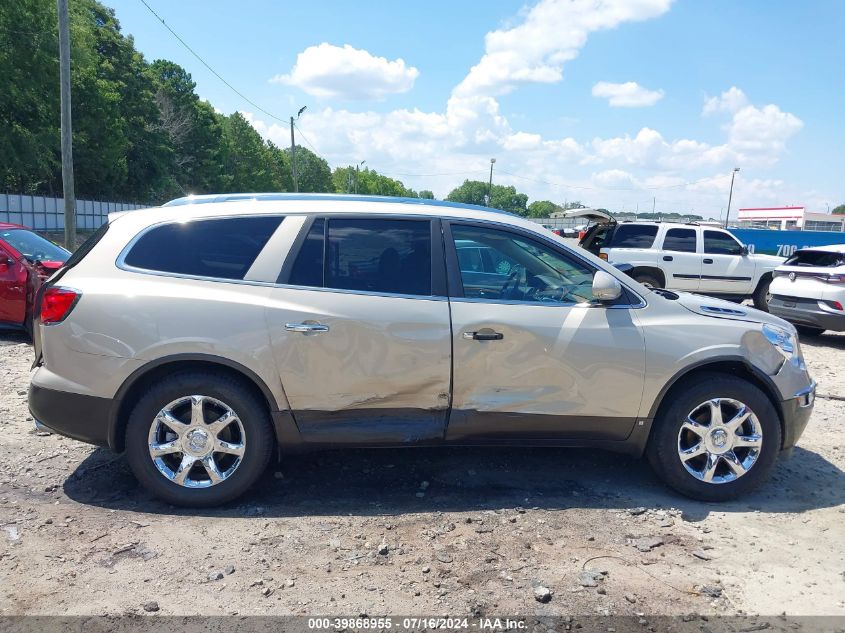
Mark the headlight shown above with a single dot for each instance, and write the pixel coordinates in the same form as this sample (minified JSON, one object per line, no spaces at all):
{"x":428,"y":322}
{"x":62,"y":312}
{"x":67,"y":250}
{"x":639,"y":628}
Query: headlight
{"x":785,"y":341}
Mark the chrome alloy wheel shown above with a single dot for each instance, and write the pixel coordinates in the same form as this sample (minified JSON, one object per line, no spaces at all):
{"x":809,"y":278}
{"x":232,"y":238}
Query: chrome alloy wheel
{"x":720,"y":441}
{"x":197,"y":441}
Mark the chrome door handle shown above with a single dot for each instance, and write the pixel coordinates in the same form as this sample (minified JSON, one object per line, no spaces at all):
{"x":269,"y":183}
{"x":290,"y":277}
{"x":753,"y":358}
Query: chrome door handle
{"x":484,"y":335}
{"x":306,"y":328}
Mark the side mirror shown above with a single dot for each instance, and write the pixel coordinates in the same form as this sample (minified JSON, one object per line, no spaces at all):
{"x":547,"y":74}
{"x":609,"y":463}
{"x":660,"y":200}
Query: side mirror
{"x":605,"y":287}
{"x":744,"y":250}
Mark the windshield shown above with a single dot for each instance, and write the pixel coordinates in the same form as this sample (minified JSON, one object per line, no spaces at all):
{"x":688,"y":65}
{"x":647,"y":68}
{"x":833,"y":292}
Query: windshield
{"x":33,"y":246}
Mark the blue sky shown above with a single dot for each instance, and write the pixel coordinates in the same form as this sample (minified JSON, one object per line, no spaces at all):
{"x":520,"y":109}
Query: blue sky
{"x":612,"y":102}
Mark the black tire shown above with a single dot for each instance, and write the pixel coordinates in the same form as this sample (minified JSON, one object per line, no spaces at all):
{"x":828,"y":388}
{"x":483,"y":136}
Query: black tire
{"x":647,"y":279}
{"x":249,"y":408}
{"x":663,"y":446}
{"x":760,"y":296}
{"x":807,"y":330}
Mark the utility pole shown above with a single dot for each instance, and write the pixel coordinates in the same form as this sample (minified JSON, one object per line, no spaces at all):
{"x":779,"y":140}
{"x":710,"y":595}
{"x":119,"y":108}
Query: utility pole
{"x":67,"y":130}
{"x":293,"y":158}
{"x":358,"y":171}
{"x":293,"y":152}
{"x":490,"y":182}
{"x":730,"y":195}
{"x":653,"y":203}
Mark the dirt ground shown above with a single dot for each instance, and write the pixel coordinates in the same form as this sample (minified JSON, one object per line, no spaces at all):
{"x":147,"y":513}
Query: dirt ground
{"x":419,"y":531}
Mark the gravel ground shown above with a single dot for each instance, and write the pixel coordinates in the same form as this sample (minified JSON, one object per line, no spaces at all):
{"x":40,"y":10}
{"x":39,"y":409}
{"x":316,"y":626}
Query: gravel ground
{"x":421,"y":532}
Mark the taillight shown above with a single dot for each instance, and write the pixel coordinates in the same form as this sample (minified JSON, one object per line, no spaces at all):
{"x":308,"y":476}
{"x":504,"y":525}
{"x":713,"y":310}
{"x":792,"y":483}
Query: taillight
{"x":836,"y":305}
{"x":57,"y":303}
{"x":603,"y":256}
{"x":835,"y":279}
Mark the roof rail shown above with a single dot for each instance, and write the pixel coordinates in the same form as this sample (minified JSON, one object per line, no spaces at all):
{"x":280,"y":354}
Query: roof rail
{"x":260,"y":197}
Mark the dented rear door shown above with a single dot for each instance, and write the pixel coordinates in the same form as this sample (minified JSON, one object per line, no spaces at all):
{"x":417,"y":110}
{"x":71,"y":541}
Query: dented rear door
{"x":359,"y":326}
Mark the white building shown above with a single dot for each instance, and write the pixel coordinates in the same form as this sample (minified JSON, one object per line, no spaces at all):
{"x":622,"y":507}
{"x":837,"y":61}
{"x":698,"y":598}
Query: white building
{"x":790,"y":219}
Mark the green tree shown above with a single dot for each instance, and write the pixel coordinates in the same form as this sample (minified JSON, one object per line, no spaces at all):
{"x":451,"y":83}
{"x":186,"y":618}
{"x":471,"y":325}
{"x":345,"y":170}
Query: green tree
{"x":29,"y":98}
{"x":247,"y":165}
{"x":312,"y":172}
{"x":370,"y":182}
{"x":426,"y":194}
{"x":504,"y":198}
{"x":840,"y":210}
{"x":542,"y":209}
{"x":193,"y":128}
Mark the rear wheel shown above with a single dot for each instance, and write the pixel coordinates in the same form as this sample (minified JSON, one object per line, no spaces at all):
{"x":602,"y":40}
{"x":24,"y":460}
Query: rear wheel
{"x":717,"y":438}
{"x":806,"y":330}
{"x":762,"y":296}
{"x":198,"y":439}
{"x":648,"y":280}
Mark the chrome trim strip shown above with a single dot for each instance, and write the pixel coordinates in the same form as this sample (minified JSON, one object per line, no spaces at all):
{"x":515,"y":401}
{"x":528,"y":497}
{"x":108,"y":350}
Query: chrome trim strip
{"x":366,"y":293}
{"x":545,"y":304}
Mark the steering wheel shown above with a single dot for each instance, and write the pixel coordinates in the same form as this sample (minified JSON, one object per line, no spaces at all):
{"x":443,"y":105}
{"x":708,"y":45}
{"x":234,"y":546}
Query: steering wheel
{"x":518,"y":276}
{"x":573,"y":288}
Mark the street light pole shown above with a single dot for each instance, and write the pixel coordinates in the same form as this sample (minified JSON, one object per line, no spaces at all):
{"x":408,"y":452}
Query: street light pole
{"x":293,"y":152}
{"x":730,"y":195}
{"x":358,"y":171}
{"x":67,"y":130}
{"x":490,"y":182}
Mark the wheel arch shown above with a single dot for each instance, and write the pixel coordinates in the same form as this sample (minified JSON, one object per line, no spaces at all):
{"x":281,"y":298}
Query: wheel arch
{"x":129,"y":392}
{"x":767,"y":276}
{"x":732,"y":366}
{"x":654,"y":271}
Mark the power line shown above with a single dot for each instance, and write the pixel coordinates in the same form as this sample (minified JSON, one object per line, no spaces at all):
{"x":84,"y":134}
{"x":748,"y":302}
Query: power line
{"x":204,"y":63}
{"x":588,"y":188}
{"x":307,"y":142}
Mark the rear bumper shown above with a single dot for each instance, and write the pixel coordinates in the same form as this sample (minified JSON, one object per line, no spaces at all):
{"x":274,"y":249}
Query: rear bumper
{"x":796,"y":414}
{"x":806,"y":312}
{"x":81,"y":417}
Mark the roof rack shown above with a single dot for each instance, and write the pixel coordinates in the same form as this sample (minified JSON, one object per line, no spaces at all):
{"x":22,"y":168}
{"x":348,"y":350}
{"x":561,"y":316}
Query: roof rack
{"x":261,"y":197}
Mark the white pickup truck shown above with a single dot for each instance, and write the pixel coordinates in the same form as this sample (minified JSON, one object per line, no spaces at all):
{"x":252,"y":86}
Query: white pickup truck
{"x":689,"y":257}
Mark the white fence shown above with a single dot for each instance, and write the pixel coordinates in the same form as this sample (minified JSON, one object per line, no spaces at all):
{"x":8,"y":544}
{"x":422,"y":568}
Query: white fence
{"x":48,"y":214}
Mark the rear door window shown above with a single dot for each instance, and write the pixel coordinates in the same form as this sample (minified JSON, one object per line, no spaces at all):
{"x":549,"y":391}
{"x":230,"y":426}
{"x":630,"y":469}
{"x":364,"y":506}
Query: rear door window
{"x":679,"y":240}
{"x":223,"y":248}
{"x":634,"y":236}
{"x":379,"y":255}
{"x":718,"y":243}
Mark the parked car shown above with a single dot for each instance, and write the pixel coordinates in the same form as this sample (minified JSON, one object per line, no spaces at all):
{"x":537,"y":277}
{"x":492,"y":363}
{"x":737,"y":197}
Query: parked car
{"x":26,"y":260}
{"x":809,"y":289}
{"x":201,"y":335}
{"x":688,"y":257}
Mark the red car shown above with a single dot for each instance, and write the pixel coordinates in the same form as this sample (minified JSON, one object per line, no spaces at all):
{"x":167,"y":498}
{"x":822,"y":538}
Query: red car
{"x":26,"y":260}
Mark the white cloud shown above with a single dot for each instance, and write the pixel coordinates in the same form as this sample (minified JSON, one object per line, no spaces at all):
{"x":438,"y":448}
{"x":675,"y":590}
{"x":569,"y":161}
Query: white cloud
{"x":615,"y":179}
{"x":763,"y":131}
{"x":348,"y":73}
{"x":437,"y":149}
{"x":626,"y":95}
{"x":551,"y":34}
{"x":731,"y":101}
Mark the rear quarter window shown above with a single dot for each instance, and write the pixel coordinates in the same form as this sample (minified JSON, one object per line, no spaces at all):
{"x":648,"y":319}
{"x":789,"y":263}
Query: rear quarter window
{"x":633,"y":236}
{"x":223,"y":248}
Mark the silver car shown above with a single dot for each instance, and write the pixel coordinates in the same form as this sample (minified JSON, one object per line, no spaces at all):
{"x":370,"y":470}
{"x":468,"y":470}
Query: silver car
{"x":199,"y":336}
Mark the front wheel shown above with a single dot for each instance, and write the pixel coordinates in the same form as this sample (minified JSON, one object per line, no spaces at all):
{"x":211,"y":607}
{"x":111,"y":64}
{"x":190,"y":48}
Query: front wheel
{"x":198,"y":439}
{"x":762,"y":295}
{"x":716,"y":439}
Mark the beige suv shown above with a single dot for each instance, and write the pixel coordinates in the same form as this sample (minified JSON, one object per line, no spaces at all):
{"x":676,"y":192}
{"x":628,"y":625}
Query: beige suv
{"x":201,"y":335}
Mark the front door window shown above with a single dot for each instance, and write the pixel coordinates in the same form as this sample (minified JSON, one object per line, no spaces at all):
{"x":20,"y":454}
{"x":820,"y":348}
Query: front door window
{"x":500,"y":265}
